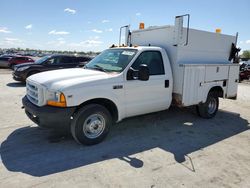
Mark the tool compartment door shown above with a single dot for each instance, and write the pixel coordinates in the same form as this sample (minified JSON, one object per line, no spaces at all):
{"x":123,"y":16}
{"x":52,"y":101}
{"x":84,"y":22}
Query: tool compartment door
{"x":216,"y":73}
{"x":233,"y":79}
{"x":192,"y":84}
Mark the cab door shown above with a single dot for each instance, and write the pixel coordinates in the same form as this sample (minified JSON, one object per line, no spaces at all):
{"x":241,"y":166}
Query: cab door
{"x":148,"y":96}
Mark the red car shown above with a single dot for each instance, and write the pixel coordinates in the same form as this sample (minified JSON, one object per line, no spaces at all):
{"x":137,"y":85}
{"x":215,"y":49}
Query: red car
{"x":19,"y":60}
{"x":245,"y":71}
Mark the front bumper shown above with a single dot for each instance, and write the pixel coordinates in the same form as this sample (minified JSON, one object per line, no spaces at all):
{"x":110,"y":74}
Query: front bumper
{"x":49,"y":117}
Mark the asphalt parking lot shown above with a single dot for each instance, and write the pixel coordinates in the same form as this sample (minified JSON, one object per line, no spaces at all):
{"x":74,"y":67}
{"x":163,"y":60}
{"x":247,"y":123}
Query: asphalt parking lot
{"x":173,"y":148}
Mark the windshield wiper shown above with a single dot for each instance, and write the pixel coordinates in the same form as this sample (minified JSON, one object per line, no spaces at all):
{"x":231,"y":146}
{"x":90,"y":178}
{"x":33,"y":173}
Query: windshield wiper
{"x":97,"y":67}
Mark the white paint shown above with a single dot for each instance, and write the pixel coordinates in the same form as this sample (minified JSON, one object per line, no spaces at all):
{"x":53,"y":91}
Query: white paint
{"x":192,"y":71}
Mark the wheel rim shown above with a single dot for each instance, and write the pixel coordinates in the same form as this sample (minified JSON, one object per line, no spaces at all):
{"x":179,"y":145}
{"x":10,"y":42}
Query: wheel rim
{"x":94,"y":126}
{"x":212,"y":106}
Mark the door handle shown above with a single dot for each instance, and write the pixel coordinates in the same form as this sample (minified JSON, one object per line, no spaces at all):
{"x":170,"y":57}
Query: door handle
{"x":166,"y":83}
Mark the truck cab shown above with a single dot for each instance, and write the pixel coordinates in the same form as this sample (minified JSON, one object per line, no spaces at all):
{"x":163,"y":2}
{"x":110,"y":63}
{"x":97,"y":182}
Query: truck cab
{"x":129,"y":81}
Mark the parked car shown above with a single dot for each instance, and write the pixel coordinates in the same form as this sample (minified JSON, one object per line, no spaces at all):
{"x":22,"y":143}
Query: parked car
{"x":53,"y":62}
{"x":4,"y":60}
{"x":245,"y":71}
{"x":19,"y":60}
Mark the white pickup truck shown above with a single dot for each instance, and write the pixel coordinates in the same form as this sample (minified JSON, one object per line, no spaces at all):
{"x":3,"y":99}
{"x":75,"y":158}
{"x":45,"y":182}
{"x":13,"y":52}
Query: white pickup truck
{"x":162,"y":66}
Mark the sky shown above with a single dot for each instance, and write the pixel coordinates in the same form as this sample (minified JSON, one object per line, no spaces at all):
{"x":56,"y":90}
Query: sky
{"x":93,"y":25}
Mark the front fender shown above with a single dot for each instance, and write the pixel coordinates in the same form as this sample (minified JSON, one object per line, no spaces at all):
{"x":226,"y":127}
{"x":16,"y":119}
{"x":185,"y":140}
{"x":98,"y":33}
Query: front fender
{"x":83,"y":95}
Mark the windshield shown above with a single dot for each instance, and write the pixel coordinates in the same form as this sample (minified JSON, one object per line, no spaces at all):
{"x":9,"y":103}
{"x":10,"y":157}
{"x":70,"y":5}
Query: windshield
{"x":43,"y":59}
{"x":112,"y":60}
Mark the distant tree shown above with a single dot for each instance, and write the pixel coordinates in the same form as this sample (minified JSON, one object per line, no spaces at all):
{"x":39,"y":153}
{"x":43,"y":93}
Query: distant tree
{"x":246,"y":54}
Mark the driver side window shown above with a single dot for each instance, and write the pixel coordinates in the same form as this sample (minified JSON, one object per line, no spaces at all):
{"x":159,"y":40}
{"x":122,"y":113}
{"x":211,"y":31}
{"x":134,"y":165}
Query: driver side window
{"x":53,"y":61}
{"x":153,"y":59}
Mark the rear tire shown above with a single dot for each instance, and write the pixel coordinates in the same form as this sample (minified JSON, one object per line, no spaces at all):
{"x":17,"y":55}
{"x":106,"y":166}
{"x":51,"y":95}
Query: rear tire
{"x":210,"y":107}
{"x":91,"y":124}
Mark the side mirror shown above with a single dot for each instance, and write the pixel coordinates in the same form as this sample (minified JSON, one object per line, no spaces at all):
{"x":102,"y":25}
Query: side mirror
{"x":46,"y":62}
{"x":143,"y":73}
{"x":130,"y":74}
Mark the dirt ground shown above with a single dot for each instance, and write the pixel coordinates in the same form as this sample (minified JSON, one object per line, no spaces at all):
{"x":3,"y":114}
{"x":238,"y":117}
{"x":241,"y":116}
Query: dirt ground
{"x":173,"y":148}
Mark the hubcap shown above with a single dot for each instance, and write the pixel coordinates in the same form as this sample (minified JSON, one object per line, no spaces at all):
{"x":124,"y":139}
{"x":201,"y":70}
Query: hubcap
{"x":94,"y":126}
{"x":212,"y":105}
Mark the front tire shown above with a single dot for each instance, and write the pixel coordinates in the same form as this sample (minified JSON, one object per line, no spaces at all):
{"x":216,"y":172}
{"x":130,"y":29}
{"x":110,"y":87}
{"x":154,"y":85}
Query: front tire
{"x":91,"y":124}
{"x":210,"y":107}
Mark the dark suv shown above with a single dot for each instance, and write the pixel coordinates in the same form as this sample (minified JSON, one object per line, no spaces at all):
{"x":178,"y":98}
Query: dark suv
{"x":53,"y":62}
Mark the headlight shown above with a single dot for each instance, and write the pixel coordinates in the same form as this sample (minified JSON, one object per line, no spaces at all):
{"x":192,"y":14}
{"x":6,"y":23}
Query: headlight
{"x":56,"y":99}
{"x":22,"y":68}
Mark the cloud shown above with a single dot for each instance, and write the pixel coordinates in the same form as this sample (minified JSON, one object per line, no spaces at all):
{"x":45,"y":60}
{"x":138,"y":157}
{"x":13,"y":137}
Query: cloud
{"x":138,"y":14}
{"x":12,"y":40}
{"x":89,"y":22}
{"x":92,"y":42}
{"x":57,"y":43}
{"x":54,"y":32}
{"x":105,"y":21}
{"x":12,"y":43}
{"x":4,"y":30}
{"x":86,"y":44}
{"x":109,"y":30}
{"x":60,"y":43}
{"x":71,"y":11}
{"x":94,"y":38}
{"x":97,"y":31}
{"x":245,"y":42}
{"x":28,"y":26}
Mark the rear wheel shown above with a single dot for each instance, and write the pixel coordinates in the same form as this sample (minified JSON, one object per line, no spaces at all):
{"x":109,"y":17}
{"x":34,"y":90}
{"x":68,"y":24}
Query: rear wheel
{"x":210,"y":107}
{"x":91,"y":124}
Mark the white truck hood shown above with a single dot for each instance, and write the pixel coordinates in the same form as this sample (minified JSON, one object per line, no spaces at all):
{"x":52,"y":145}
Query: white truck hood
{"x":59,"y":79}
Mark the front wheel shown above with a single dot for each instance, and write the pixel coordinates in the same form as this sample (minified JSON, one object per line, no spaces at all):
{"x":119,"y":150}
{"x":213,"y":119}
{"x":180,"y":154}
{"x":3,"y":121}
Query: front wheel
{"x":210,"y":107}
{"x":91,"y":124}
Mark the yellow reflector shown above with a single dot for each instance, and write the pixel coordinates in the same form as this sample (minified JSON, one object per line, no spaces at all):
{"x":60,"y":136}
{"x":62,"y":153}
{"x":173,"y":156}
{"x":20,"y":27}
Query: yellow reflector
{"x":62,"y":98}
{"x":141,"y":26}
{"x":62,"y":102}
{"x":218,"y":30}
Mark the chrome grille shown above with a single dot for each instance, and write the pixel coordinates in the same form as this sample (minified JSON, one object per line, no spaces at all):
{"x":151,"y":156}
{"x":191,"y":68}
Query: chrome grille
{"x":34,"y":93}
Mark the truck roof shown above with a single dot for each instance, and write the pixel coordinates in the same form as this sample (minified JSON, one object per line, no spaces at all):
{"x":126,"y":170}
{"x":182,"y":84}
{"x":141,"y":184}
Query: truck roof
{"x":139,"y":48}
